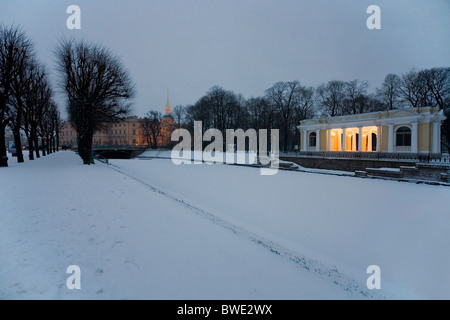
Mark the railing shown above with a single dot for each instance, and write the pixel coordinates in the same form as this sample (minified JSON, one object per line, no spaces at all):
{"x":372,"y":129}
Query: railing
{"x":427,"y":158}
{"x":115,"y":147}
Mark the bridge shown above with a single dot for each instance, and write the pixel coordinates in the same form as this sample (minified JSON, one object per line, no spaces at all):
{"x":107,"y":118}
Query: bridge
{"x":117,"y":152}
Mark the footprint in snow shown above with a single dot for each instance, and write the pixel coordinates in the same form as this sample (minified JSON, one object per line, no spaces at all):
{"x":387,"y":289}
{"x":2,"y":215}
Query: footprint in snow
{"x":125,"y":229}
{"x":116,"y":243}
{"x":99,"y":272}
{"x":132,"y":267}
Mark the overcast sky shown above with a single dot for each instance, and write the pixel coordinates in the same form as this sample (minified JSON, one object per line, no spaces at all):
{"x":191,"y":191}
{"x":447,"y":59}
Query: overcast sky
{"x":243,"y":45}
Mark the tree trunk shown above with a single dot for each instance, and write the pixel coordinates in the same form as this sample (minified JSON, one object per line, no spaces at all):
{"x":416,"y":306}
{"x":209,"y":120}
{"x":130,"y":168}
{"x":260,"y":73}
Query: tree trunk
{"x":18,"y":143}
{"x":43,"y":147}
{"x":36,"y":145}
{"x":3,"y":153}
{"x":286,"y":137}
{"x":49,"y":146}
{"x":30,"y":149}
{"x":85,"y":147}
{"x":55,"y":147}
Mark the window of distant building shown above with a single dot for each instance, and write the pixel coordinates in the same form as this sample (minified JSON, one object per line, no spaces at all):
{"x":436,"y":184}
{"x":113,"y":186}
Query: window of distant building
{"x":312,"y":139}
{"x":403,"y":137}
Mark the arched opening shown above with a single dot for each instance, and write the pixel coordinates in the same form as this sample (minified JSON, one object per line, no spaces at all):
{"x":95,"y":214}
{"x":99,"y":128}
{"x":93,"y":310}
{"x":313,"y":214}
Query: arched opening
{"x":312,"y":140}
{"x":403,"y":137}
{"x":374,"y":142}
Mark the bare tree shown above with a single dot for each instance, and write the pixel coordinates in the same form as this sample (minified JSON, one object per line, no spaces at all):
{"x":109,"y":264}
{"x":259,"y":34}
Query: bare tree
{"x":390,"y":91}
{"x":200,"y":111}
{"x":15,"y":49}
{"x":58,"y":125}
{"x":20,"y":86}
{"x":415,"y":90}
{"x":374,"y":103}
{"x":355,"y":97}
{"x":219,"y":109}
{"x":332,"y":97}
{"x":224,"y":108}
{"x":261,"y":114}
{"x":179,"y":113}
{"x":289,"y":99}
{"x":36,"y":100}
{"x":151,"y":128}
{"x":437,"y":81}
{"x":48,"y":127}
{"x":97,"y":86}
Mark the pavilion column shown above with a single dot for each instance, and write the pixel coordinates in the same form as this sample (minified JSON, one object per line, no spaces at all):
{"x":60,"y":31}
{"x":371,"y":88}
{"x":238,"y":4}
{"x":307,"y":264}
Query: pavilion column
{"x":378,"y":138}
{"x":369,"y":142}
{"x":414,"y":138}
{"x":436,"y":145}
{"x":360,"y":140}
{"x":354,"y":141}
{"x":329,"y":140}
{"x":339,"y":137}
{"x":391,"y":139}
{"x":317,"y":140}
{"x":344,"y":140}
{"x":305,"y":140}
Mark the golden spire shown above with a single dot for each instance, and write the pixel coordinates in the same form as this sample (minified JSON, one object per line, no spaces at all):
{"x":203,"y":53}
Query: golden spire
{"x":168,"y":111}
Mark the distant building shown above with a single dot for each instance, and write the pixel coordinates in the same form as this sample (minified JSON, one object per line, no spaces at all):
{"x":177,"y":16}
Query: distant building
{"x":167,"y":126}
{"x":67,"y":135}
{"x":123,"y":133}
{"x":414,"y":131}
{"x":8,"y":136}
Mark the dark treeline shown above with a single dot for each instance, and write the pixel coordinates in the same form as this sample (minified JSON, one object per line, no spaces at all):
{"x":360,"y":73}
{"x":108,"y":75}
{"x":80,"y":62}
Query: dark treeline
{"x":95,"y":82}
{"x":285,"y":104}
{"x":99,"y":89}
{"x":26,"y":100}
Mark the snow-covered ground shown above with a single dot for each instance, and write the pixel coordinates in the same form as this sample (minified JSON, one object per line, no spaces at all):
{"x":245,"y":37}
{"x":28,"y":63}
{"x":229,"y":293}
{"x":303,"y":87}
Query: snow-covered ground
{"x":147,"y":229}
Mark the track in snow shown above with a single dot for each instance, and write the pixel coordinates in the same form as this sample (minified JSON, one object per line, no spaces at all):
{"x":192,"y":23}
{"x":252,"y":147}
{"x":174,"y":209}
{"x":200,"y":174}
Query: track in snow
{"x":329,"y":272}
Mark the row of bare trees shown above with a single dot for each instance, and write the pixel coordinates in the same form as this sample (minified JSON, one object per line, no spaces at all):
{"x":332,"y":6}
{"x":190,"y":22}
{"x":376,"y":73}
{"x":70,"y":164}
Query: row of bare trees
{"x":26,"y":102}
{"x":94,"y":79}
{"x":151,"y":128}
{"x":413,"y":89}
{"x":285,"y":104}
{"x":99,"y":89}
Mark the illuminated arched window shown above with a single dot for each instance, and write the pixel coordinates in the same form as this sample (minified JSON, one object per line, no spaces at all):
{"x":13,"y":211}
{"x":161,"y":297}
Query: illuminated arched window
{"x":403,"y":137}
